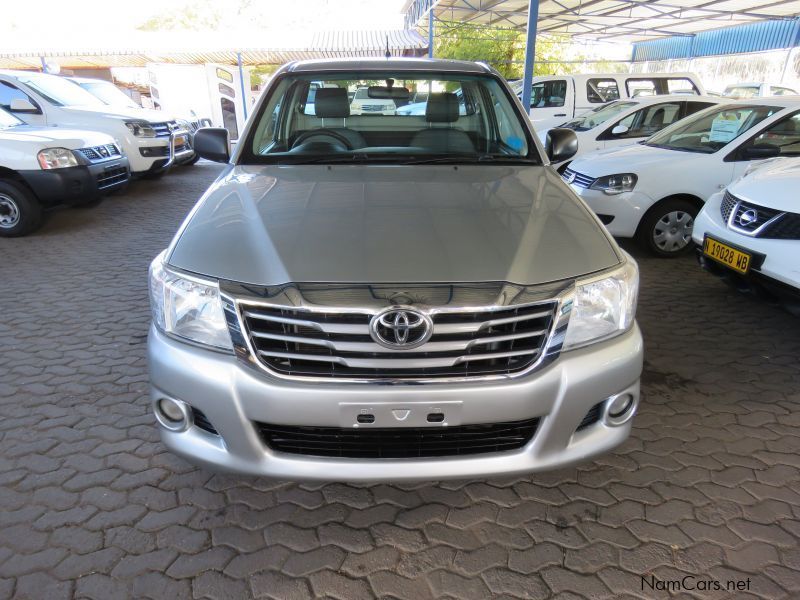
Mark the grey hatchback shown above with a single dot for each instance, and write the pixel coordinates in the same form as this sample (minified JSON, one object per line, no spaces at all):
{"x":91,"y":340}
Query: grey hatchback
{"x":391,"y":295}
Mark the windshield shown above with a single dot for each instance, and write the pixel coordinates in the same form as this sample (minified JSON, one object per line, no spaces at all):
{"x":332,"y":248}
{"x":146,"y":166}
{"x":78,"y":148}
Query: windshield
{"x":60,"y":92}
{"x":392,"y":117}
{"x":712,"y":129}
{"x":8,"y":120}
{"x":598,"y":116}
{"x":108,"y":94}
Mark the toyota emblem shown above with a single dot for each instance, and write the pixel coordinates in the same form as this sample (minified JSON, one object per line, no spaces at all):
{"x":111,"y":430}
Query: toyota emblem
{"x":400,"y":328}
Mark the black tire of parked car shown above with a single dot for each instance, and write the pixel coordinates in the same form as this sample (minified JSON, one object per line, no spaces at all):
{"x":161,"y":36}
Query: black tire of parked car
{"x":189,"y":163}
{"x":645,"y":234}
{"x":25,"y":203}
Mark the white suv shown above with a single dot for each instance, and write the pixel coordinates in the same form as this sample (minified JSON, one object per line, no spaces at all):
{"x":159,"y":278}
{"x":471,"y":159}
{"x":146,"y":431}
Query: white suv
{"x":750,"y":234}
{"x":151,"y":140}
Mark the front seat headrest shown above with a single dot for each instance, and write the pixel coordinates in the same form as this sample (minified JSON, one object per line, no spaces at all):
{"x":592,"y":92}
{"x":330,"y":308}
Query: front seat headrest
{"x":442,"y":108}
{"x":332,"y":103}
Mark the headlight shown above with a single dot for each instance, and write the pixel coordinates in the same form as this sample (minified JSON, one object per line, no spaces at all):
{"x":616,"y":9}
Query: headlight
{"x":187,"y":307}
{"x":615,"y":184}
{"x":141,"y":128}
{"x":603,"y":307}
{"x":56,"y":158}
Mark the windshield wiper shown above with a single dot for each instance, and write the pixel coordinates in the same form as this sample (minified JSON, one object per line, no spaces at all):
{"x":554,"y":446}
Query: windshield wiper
{"x":470,"y":159}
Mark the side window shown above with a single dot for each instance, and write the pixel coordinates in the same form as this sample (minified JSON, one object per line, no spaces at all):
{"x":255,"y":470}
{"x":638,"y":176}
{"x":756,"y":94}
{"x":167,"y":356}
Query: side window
{"x":227,"y":90}
{"x":9,"y":92}
{"x":229,"y":117}
{"x":549,"y":94}
{"x":782,"y":91}
{"x":681,"y":85}
{"x":600,"y":91}
{"x":641,"y":87}
{"x":693,"y":107}
{"x":785,"y":134}
{"x":649,"y":120}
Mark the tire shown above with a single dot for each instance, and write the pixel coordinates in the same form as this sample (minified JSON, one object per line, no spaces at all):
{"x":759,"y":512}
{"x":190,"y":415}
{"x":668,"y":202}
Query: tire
{"x":20,"y":211}
{"x":189,"y":163}
{"x":666,"y":229}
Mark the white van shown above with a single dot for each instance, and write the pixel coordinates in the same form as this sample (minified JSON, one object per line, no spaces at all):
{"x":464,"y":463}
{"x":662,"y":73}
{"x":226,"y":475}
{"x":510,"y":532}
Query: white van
{"x":556,"y":98}
{"x":151,"y":140}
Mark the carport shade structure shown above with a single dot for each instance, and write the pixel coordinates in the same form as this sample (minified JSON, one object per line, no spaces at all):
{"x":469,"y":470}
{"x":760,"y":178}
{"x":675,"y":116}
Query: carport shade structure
{"x":619,"y":20}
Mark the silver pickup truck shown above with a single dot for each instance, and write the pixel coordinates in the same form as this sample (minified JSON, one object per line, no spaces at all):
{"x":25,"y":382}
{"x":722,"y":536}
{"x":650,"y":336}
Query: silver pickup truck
{"x":392,"y":296}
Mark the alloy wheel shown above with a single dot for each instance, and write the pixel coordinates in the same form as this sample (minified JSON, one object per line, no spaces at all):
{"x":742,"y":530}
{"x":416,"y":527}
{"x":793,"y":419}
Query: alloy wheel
{"x":673,"y":231}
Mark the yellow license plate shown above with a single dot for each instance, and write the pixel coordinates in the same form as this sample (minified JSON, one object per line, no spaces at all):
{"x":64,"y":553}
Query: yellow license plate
{"x":180,"y":140}
{"x":730,"y":257}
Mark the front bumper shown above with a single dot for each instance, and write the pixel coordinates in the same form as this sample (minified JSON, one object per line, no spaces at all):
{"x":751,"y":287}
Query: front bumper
{"x":621,"y":213}
{"x":233,"y":396}
{"x":78,"y":185}
{"x":779,"y":273}
{"x":148,"y":155}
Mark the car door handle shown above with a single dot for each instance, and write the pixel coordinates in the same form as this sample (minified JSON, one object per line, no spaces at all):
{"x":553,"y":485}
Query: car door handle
{"x":560,"y":115}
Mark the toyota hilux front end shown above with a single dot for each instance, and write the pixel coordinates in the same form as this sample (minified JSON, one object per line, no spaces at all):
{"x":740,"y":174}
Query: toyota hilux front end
{"x":392,"y":297}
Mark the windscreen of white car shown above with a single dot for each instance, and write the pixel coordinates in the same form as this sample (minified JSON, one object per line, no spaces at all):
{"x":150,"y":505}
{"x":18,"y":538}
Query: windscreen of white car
{"x":464,"y":118}
{"x":108,"y":93}
{"x":8,"y":120}
{"x":712,"y":129}
{"x":598,"y":116}
{"x":60,"y":92}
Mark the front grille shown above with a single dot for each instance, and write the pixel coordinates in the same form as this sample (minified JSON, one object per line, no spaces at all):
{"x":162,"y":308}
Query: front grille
{"x":592,"y":417}
{"x":749,"y":217}
{"x":398,"y":442}
{"x":99,"y":153}
{"x":111,"y":177}
{"x":579,"y":179}
{"x":164,"y":129}
{"x":785,"y":228}
{"x":300,"y":342}
{"x":727,"y":205}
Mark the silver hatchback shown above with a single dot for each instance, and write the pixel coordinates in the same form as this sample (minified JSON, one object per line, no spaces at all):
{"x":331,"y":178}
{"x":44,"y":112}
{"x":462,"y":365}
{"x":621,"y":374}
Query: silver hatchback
{"x":397,"y":296}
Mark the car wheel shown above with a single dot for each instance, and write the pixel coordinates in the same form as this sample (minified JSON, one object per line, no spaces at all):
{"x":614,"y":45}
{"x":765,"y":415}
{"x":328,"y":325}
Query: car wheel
{"x":20,"y":211}
{"x":666,"y":229}
{"x":189,"y":163}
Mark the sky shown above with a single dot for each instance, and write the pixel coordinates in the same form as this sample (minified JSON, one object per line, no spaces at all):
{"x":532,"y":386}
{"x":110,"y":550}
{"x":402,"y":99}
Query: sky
{"x":119,"y":17}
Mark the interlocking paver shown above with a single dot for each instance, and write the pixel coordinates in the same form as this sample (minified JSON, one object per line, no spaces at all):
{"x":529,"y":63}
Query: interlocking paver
{"x":93,"y":506}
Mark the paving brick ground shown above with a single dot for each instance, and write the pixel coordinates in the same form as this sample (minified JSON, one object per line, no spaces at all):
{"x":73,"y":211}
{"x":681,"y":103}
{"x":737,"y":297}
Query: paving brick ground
{"x":92,"y":506}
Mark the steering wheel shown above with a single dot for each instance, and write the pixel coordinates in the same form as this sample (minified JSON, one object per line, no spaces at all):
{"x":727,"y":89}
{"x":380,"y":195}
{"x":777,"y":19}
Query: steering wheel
{"x":323,"y":131}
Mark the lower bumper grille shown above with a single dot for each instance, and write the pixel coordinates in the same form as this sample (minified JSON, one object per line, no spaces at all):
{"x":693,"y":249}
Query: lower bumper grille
{"x":398,"y":442}
{"x":111,"y":177}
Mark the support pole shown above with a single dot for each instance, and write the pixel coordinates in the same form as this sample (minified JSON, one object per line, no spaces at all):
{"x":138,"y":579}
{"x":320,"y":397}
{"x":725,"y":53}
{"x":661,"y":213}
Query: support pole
{"x":430,"y":30}
{"x":530,"y":52}
{"x":241,"y":83}
{"x":44,"y":64}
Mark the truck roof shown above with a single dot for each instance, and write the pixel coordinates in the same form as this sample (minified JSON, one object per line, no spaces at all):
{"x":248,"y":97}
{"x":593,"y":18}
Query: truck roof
{"x":388,"y":64}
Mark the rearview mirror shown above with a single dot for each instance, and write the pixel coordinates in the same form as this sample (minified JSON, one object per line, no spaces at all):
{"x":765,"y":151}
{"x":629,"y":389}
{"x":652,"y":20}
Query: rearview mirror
{"x":381,"y":92}
{"x":23,"y":105}
{"x":561,"y":144}
{"x":620,"y":130}
{"x":212,"y":143}
{"x":759,"y":151}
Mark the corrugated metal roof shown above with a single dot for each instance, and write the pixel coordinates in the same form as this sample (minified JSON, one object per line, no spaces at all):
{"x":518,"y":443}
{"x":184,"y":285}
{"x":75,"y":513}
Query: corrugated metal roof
{"x":618,"y":20}
{"x":194,"y":48}
{"x":752,"y":37}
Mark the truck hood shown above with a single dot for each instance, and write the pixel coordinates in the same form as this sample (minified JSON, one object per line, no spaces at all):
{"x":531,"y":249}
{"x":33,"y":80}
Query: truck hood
{"x":636,"y":158}
{"x":270,"y":225}
{"x":49,"y":137}
{"x":120,"y":112}
{"x":773,"y":185}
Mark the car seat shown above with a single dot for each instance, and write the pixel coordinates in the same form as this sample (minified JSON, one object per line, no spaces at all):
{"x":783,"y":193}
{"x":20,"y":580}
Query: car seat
{"x":332,"y":103}
{"x":442,"y":109}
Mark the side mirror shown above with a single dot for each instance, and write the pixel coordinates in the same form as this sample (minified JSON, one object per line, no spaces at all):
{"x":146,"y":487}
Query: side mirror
{"x":760,"y":151}
{"x":561,"y":144}
{"x":620,"y":130}
{"x":23,"y":105}
{"x":212,"y":143}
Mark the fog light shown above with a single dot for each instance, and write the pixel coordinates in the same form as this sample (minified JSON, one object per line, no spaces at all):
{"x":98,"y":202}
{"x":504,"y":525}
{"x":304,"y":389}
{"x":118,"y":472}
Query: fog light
{"x":620,"y":409}
{"x":173,"y":414}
